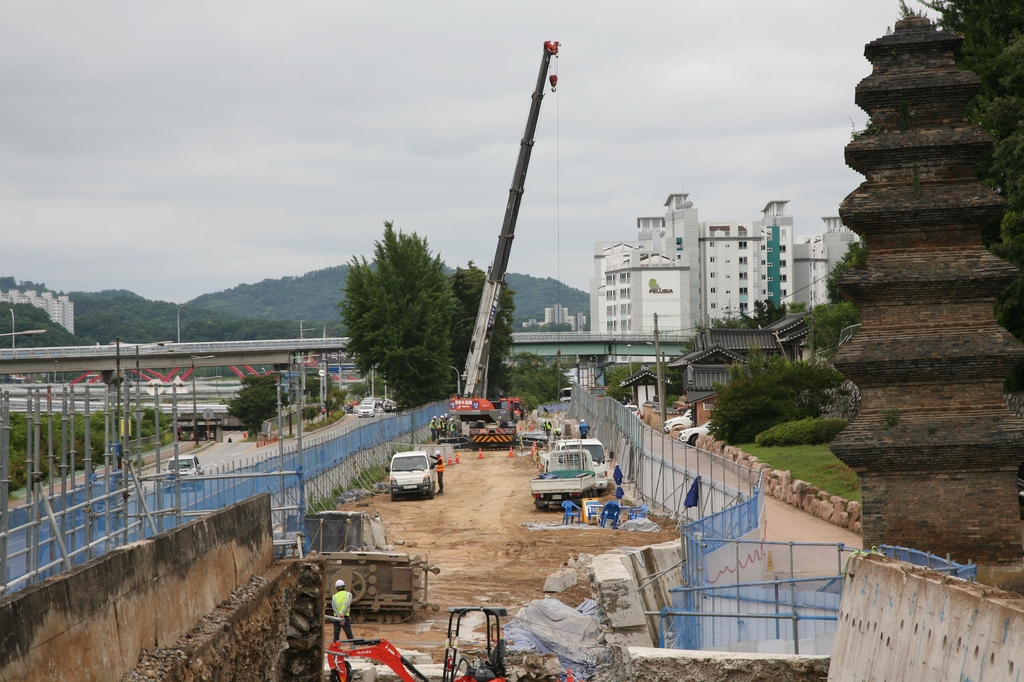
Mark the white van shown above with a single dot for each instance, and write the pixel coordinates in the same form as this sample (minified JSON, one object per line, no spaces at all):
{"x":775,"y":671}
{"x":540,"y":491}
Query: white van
{"x":596,"y":450}
{"x":412,"y":473}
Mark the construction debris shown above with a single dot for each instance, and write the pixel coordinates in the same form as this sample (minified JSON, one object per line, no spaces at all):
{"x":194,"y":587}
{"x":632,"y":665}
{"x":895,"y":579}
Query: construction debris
{"x":549,"y":626}
{"x":642,"y":525}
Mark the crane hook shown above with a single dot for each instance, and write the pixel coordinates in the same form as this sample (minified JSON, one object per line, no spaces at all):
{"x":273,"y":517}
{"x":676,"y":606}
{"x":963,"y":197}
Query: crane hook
{"x":553,"y":79}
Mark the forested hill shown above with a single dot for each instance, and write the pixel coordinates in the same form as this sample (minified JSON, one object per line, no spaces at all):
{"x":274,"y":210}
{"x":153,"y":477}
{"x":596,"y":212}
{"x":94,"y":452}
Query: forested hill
{"x":315,"y":296}
{"x":534,"y":294}
{"x":312,"y":296}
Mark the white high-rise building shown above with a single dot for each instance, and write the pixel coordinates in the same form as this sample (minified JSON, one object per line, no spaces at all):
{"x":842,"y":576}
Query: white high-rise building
{"x":60,"y":309}
{"x":633,"y":280}
{"x":815,"y":256}
{"x":689,"y":271}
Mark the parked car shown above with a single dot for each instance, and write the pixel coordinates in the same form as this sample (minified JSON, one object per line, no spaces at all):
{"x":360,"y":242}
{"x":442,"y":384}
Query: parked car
{"x":412,"y":473}
{"x":185,"y":465}
{"x":682,"y":420}
{"x":689,"y":436}
{"x":632,"y":408}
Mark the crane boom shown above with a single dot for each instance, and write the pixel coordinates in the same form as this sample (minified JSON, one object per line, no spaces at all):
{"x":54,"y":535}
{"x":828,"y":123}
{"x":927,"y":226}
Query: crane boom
{"x":480,"y":344}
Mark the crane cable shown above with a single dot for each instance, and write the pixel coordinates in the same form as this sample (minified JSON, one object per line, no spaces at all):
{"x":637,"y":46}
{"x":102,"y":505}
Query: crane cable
{"x":558,"y":206}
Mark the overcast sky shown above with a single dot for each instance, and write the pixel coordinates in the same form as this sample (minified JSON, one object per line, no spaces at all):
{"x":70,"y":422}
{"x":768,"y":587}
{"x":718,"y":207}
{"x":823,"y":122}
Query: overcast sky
{"x":181,"y":148}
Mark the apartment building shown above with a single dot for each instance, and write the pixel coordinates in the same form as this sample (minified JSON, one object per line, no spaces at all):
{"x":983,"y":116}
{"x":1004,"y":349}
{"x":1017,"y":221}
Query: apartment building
{"x":689,"y":271}
{"x":60,"y":309}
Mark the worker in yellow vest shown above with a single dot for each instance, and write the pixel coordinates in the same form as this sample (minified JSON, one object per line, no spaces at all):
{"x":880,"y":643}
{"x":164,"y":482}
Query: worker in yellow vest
{"x":342,"y":605}
{"x":439,"y":466}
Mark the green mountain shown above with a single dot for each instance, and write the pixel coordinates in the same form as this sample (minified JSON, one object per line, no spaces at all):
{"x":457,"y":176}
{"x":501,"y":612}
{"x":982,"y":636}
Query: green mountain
{"x":312,"y":296}
{"x":315,"y":296}
{"x":27,"y":317}
{"x":534,"y":294}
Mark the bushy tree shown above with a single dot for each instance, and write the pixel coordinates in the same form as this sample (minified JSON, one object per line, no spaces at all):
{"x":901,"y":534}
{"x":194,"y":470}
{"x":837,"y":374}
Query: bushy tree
{"x":398,"y":313}
{"x":993,"y":32}
{"x":830,"y":319}
{"x":535,"y":380}
{"x":769,"y":391}
{"x":467,"y":286}
{"x":256,"y":401}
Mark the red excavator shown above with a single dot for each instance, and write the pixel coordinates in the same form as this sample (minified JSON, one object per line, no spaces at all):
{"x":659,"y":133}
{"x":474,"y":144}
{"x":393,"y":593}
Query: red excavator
{"x":489,"y":667}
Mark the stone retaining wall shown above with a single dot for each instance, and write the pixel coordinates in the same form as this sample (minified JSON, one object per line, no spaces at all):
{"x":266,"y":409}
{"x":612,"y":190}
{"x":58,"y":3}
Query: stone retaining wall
{"x":269,"y":630}
{"x":838,"y":511}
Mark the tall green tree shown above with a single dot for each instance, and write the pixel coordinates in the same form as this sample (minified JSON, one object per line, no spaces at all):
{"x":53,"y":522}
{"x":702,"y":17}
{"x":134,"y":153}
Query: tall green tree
{"x":830,"y":319}
{"x":467,"y":286}
{"x":855,"y":257}
{"x":398,"y":314}
{"x":256,"y":401}
{"x":993,"y":32}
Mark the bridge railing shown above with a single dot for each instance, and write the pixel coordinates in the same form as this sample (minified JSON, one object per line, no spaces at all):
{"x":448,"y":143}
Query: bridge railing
{"x":148,"y":350}
{"x":599,"y":337}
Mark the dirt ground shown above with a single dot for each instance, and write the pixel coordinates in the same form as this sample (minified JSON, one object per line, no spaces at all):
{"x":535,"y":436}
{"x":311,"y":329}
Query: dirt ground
{"x":474,"y":532}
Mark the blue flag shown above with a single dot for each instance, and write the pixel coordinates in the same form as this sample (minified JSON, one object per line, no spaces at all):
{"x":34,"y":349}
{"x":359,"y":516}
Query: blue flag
{"x":692,"y":496}
{"x":617,"y":475}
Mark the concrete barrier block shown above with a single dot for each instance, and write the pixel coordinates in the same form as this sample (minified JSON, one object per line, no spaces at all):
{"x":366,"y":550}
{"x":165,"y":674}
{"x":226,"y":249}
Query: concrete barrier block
{"x":615,"y":592}
{"x":669,"y":665}
{"x":560,"y":580}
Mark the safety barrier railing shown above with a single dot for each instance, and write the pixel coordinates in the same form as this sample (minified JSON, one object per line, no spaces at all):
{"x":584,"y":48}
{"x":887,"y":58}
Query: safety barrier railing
{"x":93,"y":509}
{"x":664,"y":471}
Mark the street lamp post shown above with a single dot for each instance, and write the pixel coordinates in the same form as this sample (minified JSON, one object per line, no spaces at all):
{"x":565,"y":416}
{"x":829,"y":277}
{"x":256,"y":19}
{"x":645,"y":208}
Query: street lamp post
{"x":179,"y":321}
{"x":300,"y":329}
{"x":195,"y":412}
{"x":458,"y":380}
{"x":629,"y":349}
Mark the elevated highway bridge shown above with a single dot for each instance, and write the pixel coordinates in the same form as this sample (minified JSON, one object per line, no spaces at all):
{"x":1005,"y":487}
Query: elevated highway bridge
{"x":600,"y":347}
{"x":161,"y":355}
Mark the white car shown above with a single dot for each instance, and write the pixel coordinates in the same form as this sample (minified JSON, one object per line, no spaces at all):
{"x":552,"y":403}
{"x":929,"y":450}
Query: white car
{"x":185,"y":465}
{"x":689,"y":436}
{"x":681,"y":420}
{"x":367,"y":408}
{"x":632,"y":408}
{"x":412,"y":473}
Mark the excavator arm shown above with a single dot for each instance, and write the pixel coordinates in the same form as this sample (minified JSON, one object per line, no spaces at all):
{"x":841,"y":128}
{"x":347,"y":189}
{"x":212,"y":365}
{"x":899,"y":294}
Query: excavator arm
{"x":480,"y":344}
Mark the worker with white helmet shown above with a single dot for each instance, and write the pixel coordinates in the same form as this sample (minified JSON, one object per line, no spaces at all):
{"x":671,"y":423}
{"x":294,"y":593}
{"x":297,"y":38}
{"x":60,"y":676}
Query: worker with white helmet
{"x":342,"y":606}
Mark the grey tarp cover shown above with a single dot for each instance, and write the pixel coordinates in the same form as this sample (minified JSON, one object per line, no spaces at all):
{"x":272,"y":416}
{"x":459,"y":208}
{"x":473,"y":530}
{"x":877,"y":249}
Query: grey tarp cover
{"x":550,"y":626}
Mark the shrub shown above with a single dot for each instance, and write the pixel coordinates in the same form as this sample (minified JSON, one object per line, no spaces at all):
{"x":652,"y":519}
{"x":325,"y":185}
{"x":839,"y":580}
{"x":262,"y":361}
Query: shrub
{"x":770,"y":391}
{"x":803,"y":432}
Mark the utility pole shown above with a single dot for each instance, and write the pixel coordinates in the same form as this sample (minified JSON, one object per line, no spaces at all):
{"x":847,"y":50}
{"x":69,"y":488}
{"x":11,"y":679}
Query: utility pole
{"x":661,"y":370}
{"x":810,"y":322}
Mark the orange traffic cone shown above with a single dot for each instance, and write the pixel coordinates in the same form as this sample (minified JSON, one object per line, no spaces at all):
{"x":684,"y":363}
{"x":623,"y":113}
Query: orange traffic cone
{"x":568,"y":676}
{"x":480,"y":453}
{"x":510,"y":453}
{"x":457,"y":458}
{"x":451,"y":462}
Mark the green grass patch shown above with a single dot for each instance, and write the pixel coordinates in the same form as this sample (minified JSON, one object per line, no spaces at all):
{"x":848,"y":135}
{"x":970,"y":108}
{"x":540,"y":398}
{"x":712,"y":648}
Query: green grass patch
{"x":812,"y":463}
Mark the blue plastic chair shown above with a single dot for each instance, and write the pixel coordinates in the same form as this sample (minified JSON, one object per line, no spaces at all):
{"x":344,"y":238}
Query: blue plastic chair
{"x":571,"y":512}
{"x":639,"y":512}
{"x":611,"y":513}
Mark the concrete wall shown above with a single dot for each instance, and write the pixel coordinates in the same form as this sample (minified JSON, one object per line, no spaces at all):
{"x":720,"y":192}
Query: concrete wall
{"x":92,"y":622}
{"x":269,"y":630}
{"x":900,"y":622}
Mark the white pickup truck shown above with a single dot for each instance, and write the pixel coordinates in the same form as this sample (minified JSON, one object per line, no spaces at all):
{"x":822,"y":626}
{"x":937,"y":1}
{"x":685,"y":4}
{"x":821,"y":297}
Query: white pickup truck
{"x":597,"y":454}
{"x":569,"y":475}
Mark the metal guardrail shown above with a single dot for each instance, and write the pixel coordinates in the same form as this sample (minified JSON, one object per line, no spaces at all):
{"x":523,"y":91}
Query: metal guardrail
{"x":108,"y":506}
{"x":150,"y":350}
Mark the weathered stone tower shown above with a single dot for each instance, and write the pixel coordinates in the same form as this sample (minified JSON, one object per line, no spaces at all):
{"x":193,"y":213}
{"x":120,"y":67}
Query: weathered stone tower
{"x":935,"y":446}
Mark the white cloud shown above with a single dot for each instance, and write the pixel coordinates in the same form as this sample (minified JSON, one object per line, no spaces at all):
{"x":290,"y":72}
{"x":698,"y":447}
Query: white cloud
{"x":183,"y":148}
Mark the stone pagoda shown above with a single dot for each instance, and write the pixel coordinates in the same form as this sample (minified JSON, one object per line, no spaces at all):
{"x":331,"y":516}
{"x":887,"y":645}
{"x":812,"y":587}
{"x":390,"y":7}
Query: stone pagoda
{"x":934,"y":444}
